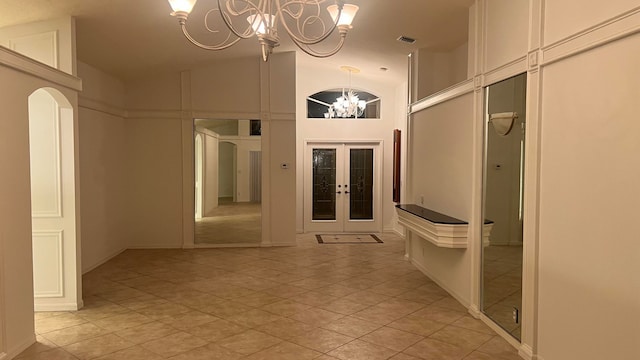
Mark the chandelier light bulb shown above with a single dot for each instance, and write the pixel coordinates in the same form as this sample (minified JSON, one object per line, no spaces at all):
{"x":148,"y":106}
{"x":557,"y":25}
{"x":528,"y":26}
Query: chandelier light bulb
{"x":348,"y":13}
{"x":257,"y":22}
{"x":182,"y":6}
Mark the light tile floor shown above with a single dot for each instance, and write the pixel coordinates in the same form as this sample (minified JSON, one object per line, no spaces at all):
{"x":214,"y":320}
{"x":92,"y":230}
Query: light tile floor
{"x":313,"y":301}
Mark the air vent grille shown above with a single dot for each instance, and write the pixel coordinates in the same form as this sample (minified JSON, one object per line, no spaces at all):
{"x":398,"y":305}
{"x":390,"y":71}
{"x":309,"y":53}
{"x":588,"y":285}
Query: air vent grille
{"x":406,"y":39}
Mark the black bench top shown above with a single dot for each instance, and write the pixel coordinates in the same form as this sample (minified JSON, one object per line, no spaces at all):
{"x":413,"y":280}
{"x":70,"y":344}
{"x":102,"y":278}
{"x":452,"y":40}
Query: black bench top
{"x":433,"y":216}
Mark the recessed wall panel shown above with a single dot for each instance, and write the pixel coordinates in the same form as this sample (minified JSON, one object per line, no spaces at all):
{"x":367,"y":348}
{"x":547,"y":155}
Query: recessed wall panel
{"x":48,"y":264}
{"x":44,"y":147}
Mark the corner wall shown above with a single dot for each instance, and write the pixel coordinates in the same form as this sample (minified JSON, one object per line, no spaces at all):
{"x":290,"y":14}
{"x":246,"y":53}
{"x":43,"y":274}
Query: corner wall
{"x":589,"y":257}
{"x":580,"y":292}
{"x":26,"y":76}
{"x":103,"y":175}
{"x":160,"y":144}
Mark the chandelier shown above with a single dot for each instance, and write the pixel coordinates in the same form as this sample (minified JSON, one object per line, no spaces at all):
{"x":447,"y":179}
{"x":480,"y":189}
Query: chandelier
{"x":348,"y":104}
{"x":302,"y":20}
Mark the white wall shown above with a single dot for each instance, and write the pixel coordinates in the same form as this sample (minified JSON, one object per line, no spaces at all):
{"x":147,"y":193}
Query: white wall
{"x":226,"y":183}
{"x":589,"y":195}
{"x":103,"y":175}
{"x":154,"y":161}
{"x":507,"y":25}
{"x":16,"y":316}
{"x":243,"y":146}
{"x":211,"y":172}
{"x":558,"y":26}
{"x":312,"y":78}
{"x":160,"y":142}
{"x":440,"y":173}
{"x":581,"y":298}
{"x":52,"y":42}
{"x":437,"y":70}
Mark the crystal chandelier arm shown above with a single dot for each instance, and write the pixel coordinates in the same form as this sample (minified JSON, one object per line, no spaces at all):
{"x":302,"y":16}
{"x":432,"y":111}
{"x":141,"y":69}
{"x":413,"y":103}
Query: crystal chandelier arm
{"x":283,"y":9}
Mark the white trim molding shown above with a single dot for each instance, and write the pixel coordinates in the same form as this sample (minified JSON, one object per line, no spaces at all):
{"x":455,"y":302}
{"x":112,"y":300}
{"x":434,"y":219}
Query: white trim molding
{"x":100,"y":106}
{"x":204,"y":114}
{"x":35,"y":68}
{"x":154,"y":114}
{"x":506,"y":71}
{"x":447,"y":94}
{"x":605,"y":32}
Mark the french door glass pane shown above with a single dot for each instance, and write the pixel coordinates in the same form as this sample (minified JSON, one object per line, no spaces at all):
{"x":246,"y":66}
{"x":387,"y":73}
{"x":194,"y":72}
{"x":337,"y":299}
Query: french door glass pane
{"x":361,"y":184}
{"x":324,"y":184}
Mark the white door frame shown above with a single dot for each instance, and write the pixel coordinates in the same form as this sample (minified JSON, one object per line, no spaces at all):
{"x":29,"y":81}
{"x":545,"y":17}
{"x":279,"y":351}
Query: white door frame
{"x":342,"y":224}
{"x":199,"y":176}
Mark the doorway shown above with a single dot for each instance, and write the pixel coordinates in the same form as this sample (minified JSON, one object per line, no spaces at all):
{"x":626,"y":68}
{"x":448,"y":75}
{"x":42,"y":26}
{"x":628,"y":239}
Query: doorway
{"x":228,"y":167}
{"x":342,"y":187}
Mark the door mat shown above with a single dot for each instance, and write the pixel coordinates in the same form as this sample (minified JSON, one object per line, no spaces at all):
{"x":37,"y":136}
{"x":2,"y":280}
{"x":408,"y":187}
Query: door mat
{"x":348,"y":239}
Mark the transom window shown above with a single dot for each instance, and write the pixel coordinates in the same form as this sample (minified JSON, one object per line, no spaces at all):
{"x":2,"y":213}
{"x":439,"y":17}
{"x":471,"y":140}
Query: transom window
{"x":343,"y":104}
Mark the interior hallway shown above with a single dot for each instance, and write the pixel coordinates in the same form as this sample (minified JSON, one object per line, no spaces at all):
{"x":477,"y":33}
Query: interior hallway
{"x":313,"y":301}
{"x":231,"y":223}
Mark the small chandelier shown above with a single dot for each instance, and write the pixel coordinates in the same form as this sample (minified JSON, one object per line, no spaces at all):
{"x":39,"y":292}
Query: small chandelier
{"x":348,"y":104}
{"x":301,"y":19}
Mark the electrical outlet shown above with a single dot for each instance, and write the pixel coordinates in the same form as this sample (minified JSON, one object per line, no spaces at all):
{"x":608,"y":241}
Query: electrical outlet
{"x":516,"y":315}
{"x":421,"y":199}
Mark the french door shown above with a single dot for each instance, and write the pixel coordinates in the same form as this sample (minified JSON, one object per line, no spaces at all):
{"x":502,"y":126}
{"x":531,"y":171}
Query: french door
{"x":342,"y":187}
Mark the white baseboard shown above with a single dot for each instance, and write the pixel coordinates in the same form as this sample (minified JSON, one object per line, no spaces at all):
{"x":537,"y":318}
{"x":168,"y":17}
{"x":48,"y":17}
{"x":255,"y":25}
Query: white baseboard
{"x":280,"y":244}
{"x":154,"y":247}
{"x":440,"y":283}
{"x":503,"y":333}
{"x":104,"y":260}
{"x":526,"y":352}
{"x":215,"y":246}
{"x":398,"y":232}
{"x":12,"y":353}
{"x":474,"y":311}
{"x":58,"y":307}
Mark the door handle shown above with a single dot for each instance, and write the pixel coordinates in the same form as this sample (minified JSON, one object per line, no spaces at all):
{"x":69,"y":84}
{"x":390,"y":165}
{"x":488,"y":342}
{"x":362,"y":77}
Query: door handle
{"x":346,"y":192}
{"x":339,"y":192}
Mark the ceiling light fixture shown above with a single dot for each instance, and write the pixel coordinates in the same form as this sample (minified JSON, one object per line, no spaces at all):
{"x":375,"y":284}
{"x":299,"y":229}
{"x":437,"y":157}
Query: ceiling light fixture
{"x":301,"y":19}
{"x":349,"y":104}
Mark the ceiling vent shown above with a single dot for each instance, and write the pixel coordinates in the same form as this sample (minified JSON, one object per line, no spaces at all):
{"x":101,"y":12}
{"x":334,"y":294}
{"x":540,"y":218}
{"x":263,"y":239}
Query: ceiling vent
{"x":406,"y":39}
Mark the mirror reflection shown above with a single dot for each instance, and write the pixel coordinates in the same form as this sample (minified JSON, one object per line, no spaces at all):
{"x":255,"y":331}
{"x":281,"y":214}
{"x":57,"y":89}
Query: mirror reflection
{"x":228,"y":182}
{"x":503,"y":202}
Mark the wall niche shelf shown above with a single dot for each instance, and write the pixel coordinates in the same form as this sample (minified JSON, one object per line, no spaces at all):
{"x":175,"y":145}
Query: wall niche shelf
{"x":439,"y":229}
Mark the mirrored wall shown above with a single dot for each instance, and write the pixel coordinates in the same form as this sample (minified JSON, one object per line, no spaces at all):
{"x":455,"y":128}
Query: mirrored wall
{"x":503,"y":202}
{"x":228,"y":182}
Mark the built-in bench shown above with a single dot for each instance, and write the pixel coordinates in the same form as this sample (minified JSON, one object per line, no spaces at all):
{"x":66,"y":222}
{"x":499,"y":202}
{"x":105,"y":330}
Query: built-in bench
{"x":440,"y":229}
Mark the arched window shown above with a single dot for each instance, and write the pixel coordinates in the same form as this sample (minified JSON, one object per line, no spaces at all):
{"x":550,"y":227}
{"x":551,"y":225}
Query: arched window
{"x":343,"y":104}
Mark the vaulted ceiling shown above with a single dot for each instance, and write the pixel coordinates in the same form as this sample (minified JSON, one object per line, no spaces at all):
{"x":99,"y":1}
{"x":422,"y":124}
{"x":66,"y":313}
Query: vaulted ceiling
{"x":129,"y":38}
